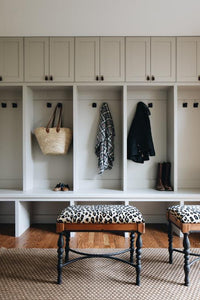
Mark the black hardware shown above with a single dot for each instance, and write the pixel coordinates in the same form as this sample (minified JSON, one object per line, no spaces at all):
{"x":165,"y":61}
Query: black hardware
{"x":59,"y":104}
{"x":195,"y":104}
{"x":1,"y":78}
{"x":185,"y":104}
{"x":199,"y":77}
{"x":14,"y":105}
{"x":97,"y":78}
{"x":3,"y":105}
{"x":49,"y":104}
{"x":102,"y":78}
{"x":150,"y":104}
{"x":152,"y":78}
{"x":94,"y":104}
{"x":148,"y":77}
{"x":46,"y":77}
{"x":51,"y":77}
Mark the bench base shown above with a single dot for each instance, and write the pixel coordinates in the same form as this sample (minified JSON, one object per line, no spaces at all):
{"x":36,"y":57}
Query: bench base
{"x":64,"y":230}
{"x":186,"y":229}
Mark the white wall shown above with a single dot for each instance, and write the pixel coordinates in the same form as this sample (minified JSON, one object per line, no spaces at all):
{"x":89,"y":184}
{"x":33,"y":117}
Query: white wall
{"x":99,"y":17}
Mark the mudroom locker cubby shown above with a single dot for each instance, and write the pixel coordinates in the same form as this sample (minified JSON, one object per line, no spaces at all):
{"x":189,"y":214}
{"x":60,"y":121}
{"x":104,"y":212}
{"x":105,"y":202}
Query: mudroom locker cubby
{"x":45,"y":171}
{"x":89,"y":102}
{"x":27,"y":176}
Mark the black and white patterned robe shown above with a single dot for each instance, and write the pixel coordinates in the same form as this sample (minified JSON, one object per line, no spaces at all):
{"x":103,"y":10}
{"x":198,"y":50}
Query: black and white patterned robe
{"x":104,"y":148}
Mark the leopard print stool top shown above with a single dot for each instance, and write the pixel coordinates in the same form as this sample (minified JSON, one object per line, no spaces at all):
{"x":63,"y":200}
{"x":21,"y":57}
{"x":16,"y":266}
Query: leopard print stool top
{"x":186,"y":213}
{"x":100,"y":214}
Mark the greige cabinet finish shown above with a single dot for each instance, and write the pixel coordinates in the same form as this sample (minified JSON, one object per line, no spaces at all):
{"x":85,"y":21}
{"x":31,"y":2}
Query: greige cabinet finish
{"x":99,"y":59}
{"x":11,"y":59}
{"x":188,"y":59}
{"x":49,"y":59}
{"x":137,"y":58}
{"x":150,"y":59}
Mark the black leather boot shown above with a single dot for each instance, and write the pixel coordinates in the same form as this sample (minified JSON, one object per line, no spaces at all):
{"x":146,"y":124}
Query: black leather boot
{"x":166,"y":176}
{"x":159,"y":184}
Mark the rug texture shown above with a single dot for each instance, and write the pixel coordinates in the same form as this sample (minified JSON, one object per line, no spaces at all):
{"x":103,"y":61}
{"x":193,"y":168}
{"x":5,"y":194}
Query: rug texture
{"x":31,"y":274}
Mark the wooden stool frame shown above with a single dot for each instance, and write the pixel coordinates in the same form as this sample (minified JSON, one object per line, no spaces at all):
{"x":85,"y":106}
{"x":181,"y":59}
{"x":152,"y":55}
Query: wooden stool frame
{"x":64,"y":229}
{"x":186,"y":229}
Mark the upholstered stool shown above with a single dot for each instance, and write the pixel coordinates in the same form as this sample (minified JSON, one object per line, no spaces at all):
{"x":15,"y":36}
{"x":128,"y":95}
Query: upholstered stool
{"x":98,"y":218}
{"x":187,"y":219}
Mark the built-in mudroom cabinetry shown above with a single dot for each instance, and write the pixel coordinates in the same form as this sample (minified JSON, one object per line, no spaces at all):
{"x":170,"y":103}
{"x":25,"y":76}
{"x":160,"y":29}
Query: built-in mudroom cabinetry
{"x":82,"y":73}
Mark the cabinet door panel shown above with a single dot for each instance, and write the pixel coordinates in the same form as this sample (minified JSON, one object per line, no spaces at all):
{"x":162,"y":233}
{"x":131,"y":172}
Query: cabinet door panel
{"x":36,"y":59}
{"x":137,"y":58}
{"x":11,"y":59}
{"x":86,"y":59}
{"x":112,"y":58}
{"x":163,"y":58}
{"x":62,"y":59}
{"x":188,"y":54}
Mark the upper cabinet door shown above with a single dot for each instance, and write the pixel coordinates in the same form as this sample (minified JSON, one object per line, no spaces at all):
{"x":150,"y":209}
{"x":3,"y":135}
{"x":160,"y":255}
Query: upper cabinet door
{"x":36,"y":59}
{"x":87,"y":59}
{"x":137,"y":58}
{"x":61,"y":59}
{"x":11,"y":59}
{"x":163,"y":59}
{"x":112,"y":58}
{"x":188,"y":59}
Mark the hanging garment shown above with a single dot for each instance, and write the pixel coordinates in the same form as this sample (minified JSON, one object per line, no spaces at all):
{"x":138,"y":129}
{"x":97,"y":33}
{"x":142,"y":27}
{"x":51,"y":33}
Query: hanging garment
{"x":104,"y":148}
{"x":140,"y":143}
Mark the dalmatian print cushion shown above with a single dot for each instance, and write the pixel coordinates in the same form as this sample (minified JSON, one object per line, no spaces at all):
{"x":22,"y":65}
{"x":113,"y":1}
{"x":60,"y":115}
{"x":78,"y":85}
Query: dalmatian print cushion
{"x":100,"y":214}
{"x":186,"y":213}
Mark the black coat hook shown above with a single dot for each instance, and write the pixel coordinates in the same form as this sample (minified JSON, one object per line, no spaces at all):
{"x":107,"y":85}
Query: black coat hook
{"x":3,"y":105}
{"x":185,"y":104}
{"x":94,"y":104}
{"x":195,"y":104}
{"x":14,"y":105}
{"x":150,"y":104}
{"x":49,"y":104}
{"x":59,"y":104}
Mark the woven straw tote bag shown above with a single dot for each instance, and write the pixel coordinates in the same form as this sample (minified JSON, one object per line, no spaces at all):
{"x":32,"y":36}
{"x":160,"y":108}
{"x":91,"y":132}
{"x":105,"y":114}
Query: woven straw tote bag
{"x":54,"y":140}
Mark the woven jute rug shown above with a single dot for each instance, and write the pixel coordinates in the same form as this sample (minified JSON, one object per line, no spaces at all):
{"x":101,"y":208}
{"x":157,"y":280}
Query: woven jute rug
{"x":31,"y":274}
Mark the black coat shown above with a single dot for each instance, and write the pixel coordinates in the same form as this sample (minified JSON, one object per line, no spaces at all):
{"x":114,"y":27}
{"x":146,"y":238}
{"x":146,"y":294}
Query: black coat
{"x":140,"y":143}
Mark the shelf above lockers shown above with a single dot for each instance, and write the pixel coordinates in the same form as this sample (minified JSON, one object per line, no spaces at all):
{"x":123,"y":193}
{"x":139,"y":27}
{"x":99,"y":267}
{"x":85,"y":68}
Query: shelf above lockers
{"x":89,"y":101}
{"x":188,"y":137}
{"x":45,"y":171}
{"x":160,"y":100}
{"x":11,"y":137}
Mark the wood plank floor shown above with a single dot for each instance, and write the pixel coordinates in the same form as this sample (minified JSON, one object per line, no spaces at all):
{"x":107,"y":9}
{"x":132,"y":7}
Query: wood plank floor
{"x":44,"y":236}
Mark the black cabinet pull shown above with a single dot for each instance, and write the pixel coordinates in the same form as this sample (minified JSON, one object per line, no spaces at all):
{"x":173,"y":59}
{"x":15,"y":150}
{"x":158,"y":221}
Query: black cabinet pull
{"x":199,"y":77}
{"x":1,"y":78}
{"x":51,"y":77}
{"x":102,"y":78}
{"x":152,"y":78}
{"x":97,"y":78}
{"x":46,"y":77}
{"x":148,"y":77}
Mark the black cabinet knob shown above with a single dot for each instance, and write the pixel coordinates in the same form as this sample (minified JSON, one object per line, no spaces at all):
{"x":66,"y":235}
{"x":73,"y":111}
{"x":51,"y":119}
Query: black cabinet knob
{"x":97,"y":78}
{"x":46,"y":77}
{"x":148,"y":77}
{"x":51,"y":77}
{"x":102,"y":78}
{"x":1,"y":78}
{"x":199,"y":77}
{"x":152,"y":78}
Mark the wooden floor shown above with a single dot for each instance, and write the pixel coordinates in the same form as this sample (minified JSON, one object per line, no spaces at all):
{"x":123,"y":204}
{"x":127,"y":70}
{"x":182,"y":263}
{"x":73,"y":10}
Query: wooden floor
{"x":44,"y":236}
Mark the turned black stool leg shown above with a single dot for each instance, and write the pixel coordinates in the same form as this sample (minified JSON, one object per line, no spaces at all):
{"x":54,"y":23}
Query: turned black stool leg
{"x":186,"y":245}
{"x":132,"y":237}
{"x":67,"y":236}
{"x":60,"y":256}
{"x":170,"y":240}
{"x":138,"y":257}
